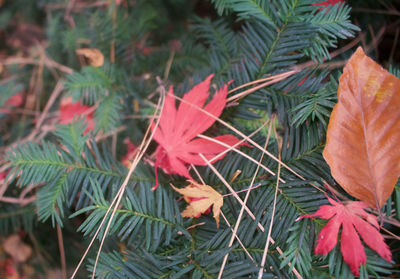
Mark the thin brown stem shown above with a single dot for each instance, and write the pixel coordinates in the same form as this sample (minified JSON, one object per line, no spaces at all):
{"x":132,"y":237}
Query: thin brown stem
{"x":239,"y":219}
{"x":62,"y":252}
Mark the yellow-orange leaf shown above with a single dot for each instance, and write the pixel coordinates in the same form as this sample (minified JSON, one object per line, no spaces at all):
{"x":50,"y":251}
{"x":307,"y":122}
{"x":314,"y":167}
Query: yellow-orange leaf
{"x":95,"y":57}
{"x":363,"y":137}
{"x":200,"y":199}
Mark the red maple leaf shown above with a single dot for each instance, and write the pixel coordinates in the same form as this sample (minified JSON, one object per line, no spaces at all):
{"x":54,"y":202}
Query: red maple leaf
{"x":352,"y":218}
{"x":327,"y":3}
{"x":70,"y":111}
{"x":15,"y":100}
{"x":178,"y":129}
{"x":3,"y":175}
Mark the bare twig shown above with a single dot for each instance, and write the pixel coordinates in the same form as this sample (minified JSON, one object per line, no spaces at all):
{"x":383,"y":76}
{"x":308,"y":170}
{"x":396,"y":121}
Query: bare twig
{"x":333,"y":54}
{"x":375,"y":11}
{"x":239,"y":152}
{"x":239,"y":219}
{"x":67,"y":15}
{"x":19,"y":201}
{"x":226,"y":220}
{"x":234,"y":234}
{"x":390,"y":233}
{"x":270,"y":80}
{"x":264,"y":257}
{"x":53,"y":97}
{"x":169,"y":64}
{"x":244,"y":205}
{"x":117,"y":199}
{"x":394,"y":46}
{"x":374,"y":41}
{"x":47,"y":61}
{"x":230,"y":127}
{"x":62,"y":252}
{"x":111,"y":133}
{"x":77,"y":7}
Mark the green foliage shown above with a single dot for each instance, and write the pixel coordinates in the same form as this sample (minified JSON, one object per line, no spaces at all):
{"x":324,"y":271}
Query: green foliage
{"x":145,"y":219}
{"x":8,"y":89}
{"x":298,"y":252}
{"x":65,"y":172}
{"x":14,"y":217}
{"x":89,"y":85}
{"x":316,"y":106}
{"x":78,"y":174}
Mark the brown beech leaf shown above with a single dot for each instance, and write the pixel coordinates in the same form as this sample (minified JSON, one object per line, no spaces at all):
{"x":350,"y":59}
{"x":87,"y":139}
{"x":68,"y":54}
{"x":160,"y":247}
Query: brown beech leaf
{"x":201,"y":198}
{"x":95,"y":57}
{"x":364,"y":131}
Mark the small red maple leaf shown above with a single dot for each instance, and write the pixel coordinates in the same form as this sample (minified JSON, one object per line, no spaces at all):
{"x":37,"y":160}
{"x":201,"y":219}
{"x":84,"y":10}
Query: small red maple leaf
{"x":352,"y":218}
{"x":178,"y":129}
{"x":3,"y":175}
{"x":327,"y":3}
{"x":70,"y":111}
{"x":15,"y":100}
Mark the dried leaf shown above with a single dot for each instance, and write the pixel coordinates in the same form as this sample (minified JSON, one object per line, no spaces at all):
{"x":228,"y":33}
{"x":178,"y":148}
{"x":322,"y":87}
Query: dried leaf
{"x":353,"y":220}
{"x":201,"y":198}
{"x":18,"y":250}
{"x":96,"y":58}
{"x":363,"y":132}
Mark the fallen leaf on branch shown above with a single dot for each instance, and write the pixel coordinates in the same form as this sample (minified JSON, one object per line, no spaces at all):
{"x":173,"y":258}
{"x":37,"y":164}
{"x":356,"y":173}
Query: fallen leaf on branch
{"x":327,"y":3}
{"x":178,"y":129}
{"x":15,"y":100}
{"x":8,"y":269}
{"x":363,"y":132}
{"x":201,"y":198}
{"x":352,"y":218}
{"x":70,"y":111}
{"x":18,"y":250}
{"x":95,"y":57}
{"x":3,"y":174}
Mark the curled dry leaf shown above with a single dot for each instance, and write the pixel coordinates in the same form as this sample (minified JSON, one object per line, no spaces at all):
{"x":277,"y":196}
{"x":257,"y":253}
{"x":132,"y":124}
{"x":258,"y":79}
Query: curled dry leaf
{"x":18,"y":250}
{"x":96,"y":58}
{"x":363,"y":132}
{"x":201,"y":198}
